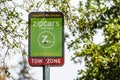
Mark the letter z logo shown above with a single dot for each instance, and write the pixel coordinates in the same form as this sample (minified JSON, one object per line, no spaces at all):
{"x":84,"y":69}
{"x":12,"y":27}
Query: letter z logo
{"x":45,"y":37}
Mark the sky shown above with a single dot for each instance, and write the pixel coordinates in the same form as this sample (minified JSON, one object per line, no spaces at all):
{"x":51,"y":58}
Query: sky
{"x":66,"y":72}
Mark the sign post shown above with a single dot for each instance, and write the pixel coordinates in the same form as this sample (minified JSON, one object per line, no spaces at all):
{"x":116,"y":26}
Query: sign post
{"x":46,"y":39}
{"x":46,"y":72}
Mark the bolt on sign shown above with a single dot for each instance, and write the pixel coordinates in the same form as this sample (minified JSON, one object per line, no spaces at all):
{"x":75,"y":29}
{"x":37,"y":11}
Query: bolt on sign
{"x":46,"y":39}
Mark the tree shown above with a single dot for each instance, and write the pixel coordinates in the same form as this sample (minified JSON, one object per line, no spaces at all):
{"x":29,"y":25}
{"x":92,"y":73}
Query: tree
{"x":102,"y":61}
{"x":14,"y":33}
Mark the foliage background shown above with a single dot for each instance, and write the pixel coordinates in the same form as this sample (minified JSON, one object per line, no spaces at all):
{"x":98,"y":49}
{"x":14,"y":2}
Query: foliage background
{"x":102,"y":60}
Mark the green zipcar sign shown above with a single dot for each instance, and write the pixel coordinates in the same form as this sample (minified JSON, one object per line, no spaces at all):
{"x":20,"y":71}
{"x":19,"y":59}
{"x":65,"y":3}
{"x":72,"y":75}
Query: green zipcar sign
{"x":46,"y":38}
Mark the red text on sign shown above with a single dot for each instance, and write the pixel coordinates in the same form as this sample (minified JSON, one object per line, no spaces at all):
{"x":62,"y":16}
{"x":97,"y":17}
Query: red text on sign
{"x":46,"y":61}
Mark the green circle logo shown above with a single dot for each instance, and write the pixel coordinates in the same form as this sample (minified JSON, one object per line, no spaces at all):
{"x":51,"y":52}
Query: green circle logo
{"x":46,"y":39}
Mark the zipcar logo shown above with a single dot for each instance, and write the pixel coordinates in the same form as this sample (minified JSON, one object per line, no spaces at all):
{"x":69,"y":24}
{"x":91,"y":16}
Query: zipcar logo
{"x":46,"y":39}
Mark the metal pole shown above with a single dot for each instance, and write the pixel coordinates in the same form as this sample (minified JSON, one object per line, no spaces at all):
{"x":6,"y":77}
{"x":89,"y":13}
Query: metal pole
{"x":46,"y":72}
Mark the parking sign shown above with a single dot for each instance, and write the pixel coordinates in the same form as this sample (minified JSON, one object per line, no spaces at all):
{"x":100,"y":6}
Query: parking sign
{"x":46,"y":38}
